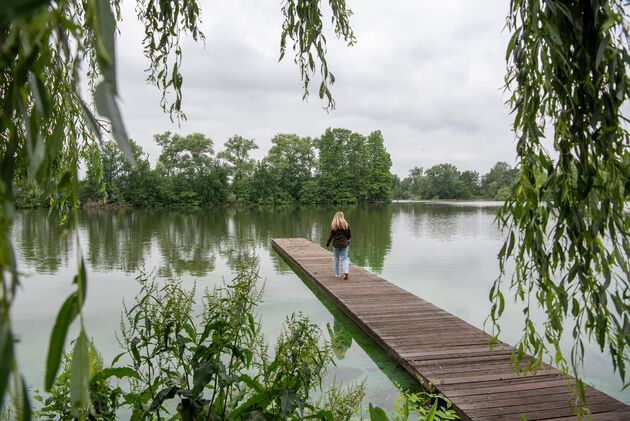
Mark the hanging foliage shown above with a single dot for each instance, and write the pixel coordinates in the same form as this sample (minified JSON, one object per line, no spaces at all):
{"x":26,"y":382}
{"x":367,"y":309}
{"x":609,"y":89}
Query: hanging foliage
{"x":567,"y":220}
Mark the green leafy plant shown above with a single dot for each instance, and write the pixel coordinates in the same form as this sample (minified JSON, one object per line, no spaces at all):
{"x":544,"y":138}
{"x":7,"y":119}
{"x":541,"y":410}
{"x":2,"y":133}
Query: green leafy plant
{"x":212,"y":363}
{"x":341,"y":401}
{"x":421,"y":406}
{"x":425,"y":405}
{"x":566,"y":220}
{"x":303,"y":24}
{"x":104,"y":400}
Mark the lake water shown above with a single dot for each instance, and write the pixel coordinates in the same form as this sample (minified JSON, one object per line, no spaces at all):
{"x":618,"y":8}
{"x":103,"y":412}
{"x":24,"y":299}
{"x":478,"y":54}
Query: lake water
{"x":442,"y":252}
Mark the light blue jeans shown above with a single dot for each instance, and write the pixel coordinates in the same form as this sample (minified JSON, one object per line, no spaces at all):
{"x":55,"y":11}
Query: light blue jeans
{"x":341,"y":254}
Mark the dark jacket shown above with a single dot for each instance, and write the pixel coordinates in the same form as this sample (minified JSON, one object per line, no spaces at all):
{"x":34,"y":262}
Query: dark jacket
{"x":340,"y":238}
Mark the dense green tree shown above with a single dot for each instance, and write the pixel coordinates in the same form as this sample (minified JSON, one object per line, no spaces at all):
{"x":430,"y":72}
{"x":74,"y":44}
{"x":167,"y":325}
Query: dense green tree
{"x":192,"y":175}
{"x":292,"y":159}
{"x":119,"y":174}
{"x":311,"y":191}
{"x":188,"y":174}
{"x":501,"y":176}
{"x":357,"y":170}
{"x":140,"y":186}
{"x":240,"y":165}
{"x":379,"y":177}
{"x":214,"y":186}
{"x":399,"y":189}
{"x":353,"y":168}
{"x":264,"y":186}
{"x":187,"y":155}
{"x":443,"y":182}
{"x":281,"y":176}
{"x":92,"y":187}
{"x":112,"y":178}
{"x":470,"y":184}
{"x":30,"y":195}
{"x":112,"y":161}
{"x":417,"y":183}
{"x":333,"y":165}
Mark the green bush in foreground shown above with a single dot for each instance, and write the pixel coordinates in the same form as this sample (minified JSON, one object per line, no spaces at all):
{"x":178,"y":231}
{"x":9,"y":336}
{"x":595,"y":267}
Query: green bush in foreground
{"x":57,"y":405}
{"x":212,"y":363}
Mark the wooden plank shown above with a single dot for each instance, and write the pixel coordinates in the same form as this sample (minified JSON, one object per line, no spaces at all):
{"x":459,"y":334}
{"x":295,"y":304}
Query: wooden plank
{"x":481,"y":378}
{"x":450,"y":362}
{"x":557,"y":398}
{"x":443,"y":350}
{"x":619,"y":415}
{"x":470,"y":396}
{"x":542,"y":411}
{"x":492,"y":387}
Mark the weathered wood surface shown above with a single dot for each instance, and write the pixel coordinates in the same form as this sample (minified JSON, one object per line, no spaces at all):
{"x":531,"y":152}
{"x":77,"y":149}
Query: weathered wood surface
{"x":443,"y":350}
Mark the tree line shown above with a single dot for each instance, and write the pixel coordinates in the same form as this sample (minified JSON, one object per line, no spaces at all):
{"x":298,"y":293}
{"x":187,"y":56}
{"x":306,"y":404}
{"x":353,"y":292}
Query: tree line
{"x":340,"y":166}
{"x":445,"y":181}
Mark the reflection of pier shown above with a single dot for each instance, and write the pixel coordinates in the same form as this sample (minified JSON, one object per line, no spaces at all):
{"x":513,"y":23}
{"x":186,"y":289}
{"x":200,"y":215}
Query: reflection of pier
{"x":443,"y":350}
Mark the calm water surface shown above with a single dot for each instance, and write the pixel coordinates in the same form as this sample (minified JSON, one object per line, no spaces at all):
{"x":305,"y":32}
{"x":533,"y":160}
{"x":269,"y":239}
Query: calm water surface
{"x":442,"y":252}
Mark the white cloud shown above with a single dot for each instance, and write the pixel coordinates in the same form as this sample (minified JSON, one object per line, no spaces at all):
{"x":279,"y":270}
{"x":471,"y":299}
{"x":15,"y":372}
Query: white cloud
{"x":427,"y":74}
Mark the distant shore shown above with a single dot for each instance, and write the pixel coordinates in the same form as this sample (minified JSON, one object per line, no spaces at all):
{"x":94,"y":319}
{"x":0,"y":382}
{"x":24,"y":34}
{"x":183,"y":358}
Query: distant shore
{"x":484,"y":202}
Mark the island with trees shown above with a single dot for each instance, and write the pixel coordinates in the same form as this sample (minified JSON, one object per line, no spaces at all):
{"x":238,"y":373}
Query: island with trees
{"x":339,"y":167}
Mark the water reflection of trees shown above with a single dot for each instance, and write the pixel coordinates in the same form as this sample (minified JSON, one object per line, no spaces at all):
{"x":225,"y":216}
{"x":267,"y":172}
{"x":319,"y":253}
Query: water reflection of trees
{"x":189,"y":241}
{"x":260,"y":225}
{"x":444,"y":221}
{"x":371,"y":235}
{"x":371,"y":227}
{"x":177,"y":242}
{"x":41,"y":241}
{"x":119,"y":239}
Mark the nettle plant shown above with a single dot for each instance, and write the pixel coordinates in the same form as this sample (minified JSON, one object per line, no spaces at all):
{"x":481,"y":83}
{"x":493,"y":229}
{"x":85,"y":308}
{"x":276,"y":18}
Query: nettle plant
{"x":212,"y":363}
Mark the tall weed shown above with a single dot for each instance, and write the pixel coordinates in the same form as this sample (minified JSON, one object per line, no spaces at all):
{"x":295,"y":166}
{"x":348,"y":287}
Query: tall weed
{"x":210,"y":361}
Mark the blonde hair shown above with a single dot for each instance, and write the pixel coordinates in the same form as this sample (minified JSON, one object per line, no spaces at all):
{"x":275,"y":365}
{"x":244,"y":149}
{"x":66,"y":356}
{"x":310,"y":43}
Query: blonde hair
{"x":339,"y":222}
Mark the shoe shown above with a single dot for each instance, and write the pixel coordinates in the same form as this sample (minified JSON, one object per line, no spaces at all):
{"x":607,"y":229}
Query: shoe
{"x":336,"y":276}
{"x":345,"y":276}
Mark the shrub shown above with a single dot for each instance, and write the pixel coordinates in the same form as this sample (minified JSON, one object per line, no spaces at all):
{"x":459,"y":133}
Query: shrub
{"x":212,"y":363}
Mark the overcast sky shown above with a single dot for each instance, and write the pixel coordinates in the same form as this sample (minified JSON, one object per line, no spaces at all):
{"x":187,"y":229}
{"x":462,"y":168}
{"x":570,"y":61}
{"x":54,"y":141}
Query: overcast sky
{"x":428,"y":74}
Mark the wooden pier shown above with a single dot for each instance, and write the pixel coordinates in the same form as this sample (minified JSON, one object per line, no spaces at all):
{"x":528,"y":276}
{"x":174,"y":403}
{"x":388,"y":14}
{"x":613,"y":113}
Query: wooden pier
{"x":444,"y":351}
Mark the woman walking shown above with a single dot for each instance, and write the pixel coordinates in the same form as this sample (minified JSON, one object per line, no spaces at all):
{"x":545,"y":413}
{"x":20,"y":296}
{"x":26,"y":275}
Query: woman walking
{"x":340,"y":237}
